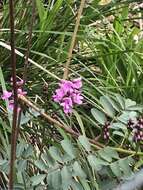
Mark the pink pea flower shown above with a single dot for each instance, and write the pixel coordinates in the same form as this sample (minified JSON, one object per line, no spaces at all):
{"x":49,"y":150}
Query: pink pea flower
{"x":77,"y":83}
{"x":68,"y":94}
{"x":67,"y":105}
{"x":11,"y":104}
{"x":68,"y":110}
{"x":6,"y":95}
{"x":77,"y":98}
{"x":59,"y":95}
{"x":19,"y":82}
{"x":66,"y":86}
{"x":21,"y":92}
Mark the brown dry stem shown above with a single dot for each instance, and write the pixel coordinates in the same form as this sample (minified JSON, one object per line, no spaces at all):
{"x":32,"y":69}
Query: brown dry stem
{"x":73,"y":40}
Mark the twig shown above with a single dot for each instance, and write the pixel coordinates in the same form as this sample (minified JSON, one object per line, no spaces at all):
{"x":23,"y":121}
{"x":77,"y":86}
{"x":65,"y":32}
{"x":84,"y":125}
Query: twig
{"x":27,"y":53}
{"x":29,"y":41}
{"x":129,"y":152}
{"x":54,"y":121}
{"x":14,"y":121}
{"x":1,"y":14}
{"x":66,"y":70}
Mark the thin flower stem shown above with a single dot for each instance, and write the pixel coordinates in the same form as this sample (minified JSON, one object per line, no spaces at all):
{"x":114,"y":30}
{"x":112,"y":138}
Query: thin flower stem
{"x":14,"y":121}
{"x":129,"y":152}
{"x":73,"y":40}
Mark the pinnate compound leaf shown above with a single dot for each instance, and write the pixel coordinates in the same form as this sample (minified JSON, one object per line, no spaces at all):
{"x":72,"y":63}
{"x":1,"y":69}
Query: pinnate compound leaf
{"x":104,"y":155}
{"x":85,"y":184}
{"x":84,"y":142}
{"x":116,"y":169}
{"x":56,"y":154}
{"x":108,"y":154}
{"x":129,"y":103}
{"x":48,"y":159}
{"x":78,"y":170}
{"x":99,"y":116}
{"x":110,"y":151}
{"x":95,"y":162}
{"x":76,"y":186}
{"x":56,"y":179}
{"x":124,"y":164}
{"x":107,"y":106}
{"x":121,"y":101}
{"x":118,"y":133}
{"x":41,"y":165}
{"x":113,"y":103}
{"x":68,"y":148}
{"x":66,"y":177}
{"x":37,"y":179}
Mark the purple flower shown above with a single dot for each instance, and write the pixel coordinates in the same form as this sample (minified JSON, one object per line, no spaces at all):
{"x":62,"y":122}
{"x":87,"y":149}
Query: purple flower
{"x":106,"y":133}
{"x":19,"y":82}
{"x":66,"y":86}
{"x":11,"y":104}
{"x":21,"y":92}
{"x":57,"y":97}
{"x":77,"y":83}
{"x":130,"y":124}
{"x":67,"y":105}
{"x":77,"y":98}
{"x":138,"y":130}
{"x":6,"y":95}
{"x":68,"y":94}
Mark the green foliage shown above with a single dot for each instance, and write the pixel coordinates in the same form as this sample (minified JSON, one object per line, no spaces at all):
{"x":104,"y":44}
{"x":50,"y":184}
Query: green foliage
{"x":109,"y":60}
{"x":124,"y":110}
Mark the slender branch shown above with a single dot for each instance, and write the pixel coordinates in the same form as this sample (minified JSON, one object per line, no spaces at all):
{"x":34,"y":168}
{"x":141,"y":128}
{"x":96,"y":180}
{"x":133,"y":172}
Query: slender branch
{"x":54,"y":121}
{"x":66,"y":70}
{"x":14,"y":121}
{"x":129,"y":152}
{"x":29,"y":41}
{"x":1,"y":14}
{"x":27,"y":53}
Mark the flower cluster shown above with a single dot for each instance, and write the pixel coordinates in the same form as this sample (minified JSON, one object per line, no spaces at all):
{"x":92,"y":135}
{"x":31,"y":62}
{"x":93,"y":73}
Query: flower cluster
{"x":69,"y":94}
{"x":130,"y":124}
{"x":106,"y":133}
{"x":136,"y":127}
{"x":9,"y":95}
